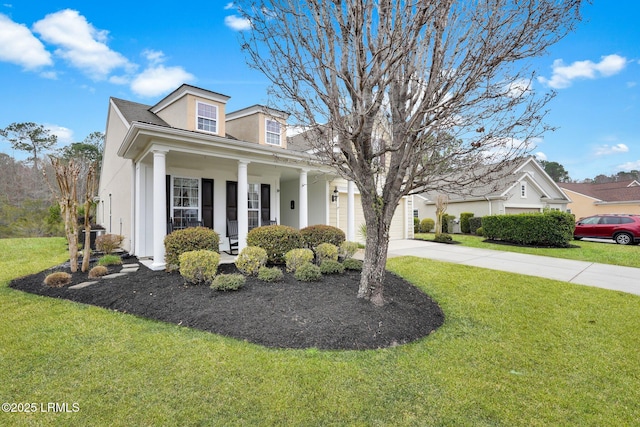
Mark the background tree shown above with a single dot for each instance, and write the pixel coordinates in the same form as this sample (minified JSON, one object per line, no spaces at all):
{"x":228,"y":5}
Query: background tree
{"x":410,"y":93}
{"x":556,"y":171}
{"x":30,"y":137}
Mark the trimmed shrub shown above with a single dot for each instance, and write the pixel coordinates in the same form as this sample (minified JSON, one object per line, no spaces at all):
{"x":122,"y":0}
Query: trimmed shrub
{"x":329,"y":266}
{"x":551,"y":228}
{"x":228,"y":282}
{"x":352,"y":264}
{"x":186,"y":240}
{"x":98,"y":271}
{"x":314,"y":235}
{"x":416,"y":225}
{"x":326,"y":251}
{"x":108,"y":243}
{"x":308,"y":272}
{"x":110,"y":260}
{"x":426,"y":225}
{"x":57,"y":279}
{"x":199,"y":267}
{"x":297,"y":257}
{"x":465,"y":227}
{"x":475,"y":223}
{"x":270,"y":274}
{"x":479,"y":231}
{"x":447,"y":220}
{"x":277,"y":240}
{"x":443,"y":238}
{"x":348,"y":249}
{"x":250,"y":259}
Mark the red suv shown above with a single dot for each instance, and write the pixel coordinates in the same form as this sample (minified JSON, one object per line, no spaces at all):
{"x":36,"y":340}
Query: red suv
{"x":624,"y":229}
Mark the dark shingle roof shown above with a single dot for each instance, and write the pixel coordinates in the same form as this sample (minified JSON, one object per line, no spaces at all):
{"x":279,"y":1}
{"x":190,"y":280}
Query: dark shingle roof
{"x":135,"y":112}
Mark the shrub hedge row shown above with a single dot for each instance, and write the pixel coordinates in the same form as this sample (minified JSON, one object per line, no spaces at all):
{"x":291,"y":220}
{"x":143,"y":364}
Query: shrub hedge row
{"x":551,"y":228}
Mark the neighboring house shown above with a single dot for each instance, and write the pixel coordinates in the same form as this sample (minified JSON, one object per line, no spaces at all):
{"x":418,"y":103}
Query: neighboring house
{"x":185,"y":159}
{"x":526,"y":187}
{"x":622,"y":197}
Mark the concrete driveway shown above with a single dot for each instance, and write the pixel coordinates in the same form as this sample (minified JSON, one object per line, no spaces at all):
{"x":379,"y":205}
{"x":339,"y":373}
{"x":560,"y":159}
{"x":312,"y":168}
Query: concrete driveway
{"x":625,"y":279}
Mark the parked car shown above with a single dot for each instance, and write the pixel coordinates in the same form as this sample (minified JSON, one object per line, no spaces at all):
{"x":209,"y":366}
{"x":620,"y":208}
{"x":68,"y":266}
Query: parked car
{"x":624,"y":229}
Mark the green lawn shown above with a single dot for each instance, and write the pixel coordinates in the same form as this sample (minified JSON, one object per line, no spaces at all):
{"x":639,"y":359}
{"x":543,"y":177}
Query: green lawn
{"x":514,"y":350}
{"x":605,"y":253}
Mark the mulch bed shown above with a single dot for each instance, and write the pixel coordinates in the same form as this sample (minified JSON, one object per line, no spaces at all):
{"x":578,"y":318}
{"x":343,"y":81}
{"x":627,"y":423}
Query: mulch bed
{"x":289,"y":314}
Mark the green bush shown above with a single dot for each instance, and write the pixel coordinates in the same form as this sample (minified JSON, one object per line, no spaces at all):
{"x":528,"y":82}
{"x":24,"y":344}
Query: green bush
{"x":250,"y":259}
{"x":479,"y":231}
{"x":98,"y":271}
{"x":186,"y":240}
{"x":443,"y":238}
{"x":426,"y":225}
{"x":550,"y":228}
{"x":297,"y":257}
{"x":270,"y":274}
{"x":446,"y":219}
{"x":352,"y":264}
{"x":326,"y":251}
{"x":329,"y":266}
{"x":416,"y":225}
{"x":308,"y":272}
{"x":110,"y":260}
{"x":348,"y":249}
{"x":277,"y":240}
{"x":475,"y":223}
{"x":228,"y":282}
{"x":108,"y":243}
{"x":199,"y":267}
{"x":314,"y":235}
{"x":57,"y":279}
{"x":465,"y":226}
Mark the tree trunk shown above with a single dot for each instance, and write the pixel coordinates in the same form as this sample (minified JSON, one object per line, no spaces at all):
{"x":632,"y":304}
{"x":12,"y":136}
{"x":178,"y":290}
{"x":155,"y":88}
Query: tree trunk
{"x":378,"y":222}
{"x":71,"y":230}
{"x":87,"y":237}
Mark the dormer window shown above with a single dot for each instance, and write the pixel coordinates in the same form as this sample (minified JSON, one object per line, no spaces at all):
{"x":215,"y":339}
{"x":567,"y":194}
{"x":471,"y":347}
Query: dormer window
{"x":273,"y":132}
{"x":207,"y":117}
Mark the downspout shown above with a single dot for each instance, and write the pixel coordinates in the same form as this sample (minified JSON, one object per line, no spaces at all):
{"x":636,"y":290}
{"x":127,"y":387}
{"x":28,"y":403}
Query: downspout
{"x":489,"y":201}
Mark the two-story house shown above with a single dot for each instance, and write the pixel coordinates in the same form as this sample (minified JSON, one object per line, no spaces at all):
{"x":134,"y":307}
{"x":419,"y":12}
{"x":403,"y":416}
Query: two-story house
{"x":185,"y":160}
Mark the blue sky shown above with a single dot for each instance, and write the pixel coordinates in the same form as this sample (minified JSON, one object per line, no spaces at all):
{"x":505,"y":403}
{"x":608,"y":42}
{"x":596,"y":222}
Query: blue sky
{"x":60,"y":61}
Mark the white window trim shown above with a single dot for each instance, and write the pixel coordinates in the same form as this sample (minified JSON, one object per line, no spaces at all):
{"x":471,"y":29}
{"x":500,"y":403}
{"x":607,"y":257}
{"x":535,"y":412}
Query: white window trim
{"x":266,"y":132}
{"x":217,"y":119}
{"x":259,"y":208}
{"x":523,"y":190}
{"x":199,"y":207}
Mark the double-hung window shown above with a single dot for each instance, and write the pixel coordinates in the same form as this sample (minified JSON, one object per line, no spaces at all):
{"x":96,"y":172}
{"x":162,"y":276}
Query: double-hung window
{"x":207,"y":117}
{"x":273,"y":132}
{"x":186,"y":201}
{"x":254,"y":206}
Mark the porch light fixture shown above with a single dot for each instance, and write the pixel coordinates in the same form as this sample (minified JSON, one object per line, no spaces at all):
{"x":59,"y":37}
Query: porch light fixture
{"x":334,"y":196}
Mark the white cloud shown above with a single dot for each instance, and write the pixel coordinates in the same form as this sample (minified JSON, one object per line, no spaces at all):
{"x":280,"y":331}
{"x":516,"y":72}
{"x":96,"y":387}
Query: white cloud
{"x":605,"y":150}
{"x":629,"y":166}
{"x":229,"y":6}
{"x":519,"y":88}
{"x":80,"y":43}
{"x":541,"y":156}
{"x":65,"y":135}
{"x":237,"y":23}
{"x":159,"y":79}
{"x":19,"y":46}
{"x":154,"y":57}
{"x":564,"y":75}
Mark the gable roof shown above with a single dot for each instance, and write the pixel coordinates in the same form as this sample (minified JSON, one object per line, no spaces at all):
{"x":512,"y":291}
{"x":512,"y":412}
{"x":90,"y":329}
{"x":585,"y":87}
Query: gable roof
{"x":619,"y":191}
{"x":136,"y":112}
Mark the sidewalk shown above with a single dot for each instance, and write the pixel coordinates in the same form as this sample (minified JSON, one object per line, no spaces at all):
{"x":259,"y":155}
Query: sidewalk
{"x":625,"y":279}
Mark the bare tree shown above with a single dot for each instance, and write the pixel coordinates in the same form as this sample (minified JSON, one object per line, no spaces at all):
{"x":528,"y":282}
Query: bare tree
{"x":90,"y":191}
{"x":442,"y":201}
{"x":66,"y":175}
{"x":412,"y":95}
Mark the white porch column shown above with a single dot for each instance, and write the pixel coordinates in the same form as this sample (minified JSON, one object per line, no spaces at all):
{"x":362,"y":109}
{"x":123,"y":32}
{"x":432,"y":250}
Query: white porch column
{"x":351,"y":213}
{"x":243,"y":204}
{"x":159,"y":208}
{"x":304,"y":206}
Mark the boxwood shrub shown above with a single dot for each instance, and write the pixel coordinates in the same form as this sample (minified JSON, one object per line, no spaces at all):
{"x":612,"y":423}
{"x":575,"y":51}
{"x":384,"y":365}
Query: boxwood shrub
{"x":426,"y":225}
{"x":297,"y":257}
{"x":308,"y":273}
{"x":199,"y":267}
{"x":475,"y":223}
{"x":326,"y":251}
{"x":277,"y":240}
{"x":551,"y":228}
{"x":188,"y":239}
{"x":250,"y":259}
{"x":465,"y":226}
{"x":313,"y":235}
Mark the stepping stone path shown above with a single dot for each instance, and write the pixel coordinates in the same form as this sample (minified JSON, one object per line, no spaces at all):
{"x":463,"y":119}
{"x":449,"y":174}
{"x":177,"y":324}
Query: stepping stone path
{"x":126,"y":268}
